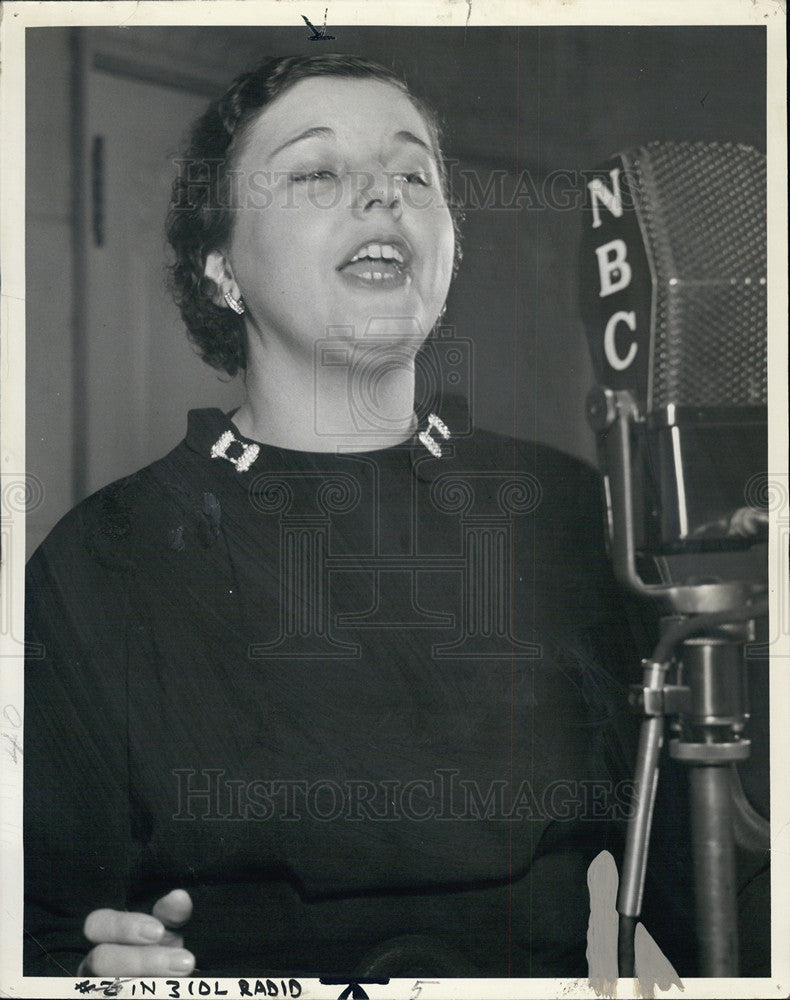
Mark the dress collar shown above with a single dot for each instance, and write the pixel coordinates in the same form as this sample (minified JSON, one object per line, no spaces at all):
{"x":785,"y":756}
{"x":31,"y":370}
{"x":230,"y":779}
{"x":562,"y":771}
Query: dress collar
{"x":212,"y":434}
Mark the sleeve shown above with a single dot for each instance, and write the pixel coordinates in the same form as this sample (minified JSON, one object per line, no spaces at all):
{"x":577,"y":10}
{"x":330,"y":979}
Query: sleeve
{"x":77,"y":827}
{"x":569,"y":588}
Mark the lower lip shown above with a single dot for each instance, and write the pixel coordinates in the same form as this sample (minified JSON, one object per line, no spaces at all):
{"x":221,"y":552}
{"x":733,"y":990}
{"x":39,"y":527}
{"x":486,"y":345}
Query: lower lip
{"x":366,"y":276}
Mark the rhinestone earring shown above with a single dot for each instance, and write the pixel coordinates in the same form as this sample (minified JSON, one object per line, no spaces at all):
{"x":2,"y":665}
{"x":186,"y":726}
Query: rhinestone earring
{"x":235,"y":304}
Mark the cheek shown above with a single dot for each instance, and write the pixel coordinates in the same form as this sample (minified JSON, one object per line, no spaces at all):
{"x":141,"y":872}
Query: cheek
{"x":445,"y":256}
{"x":251,"y":248}
{"x":268,"y":243}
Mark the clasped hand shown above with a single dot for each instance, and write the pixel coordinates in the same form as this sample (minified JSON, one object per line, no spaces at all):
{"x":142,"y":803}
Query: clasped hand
{"x":139,"y":944}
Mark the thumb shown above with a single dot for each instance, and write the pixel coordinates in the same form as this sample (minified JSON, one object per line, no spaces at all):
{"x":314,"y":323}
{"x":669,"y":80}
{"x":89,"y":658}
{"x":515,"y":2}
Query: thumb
{"x":174,"y":909}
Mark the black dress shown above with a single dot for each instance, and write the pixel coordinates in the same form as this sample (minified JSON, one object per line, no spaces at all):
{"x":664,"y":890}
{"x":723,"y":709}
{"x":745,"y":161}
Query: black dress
{"x":362,"y":707}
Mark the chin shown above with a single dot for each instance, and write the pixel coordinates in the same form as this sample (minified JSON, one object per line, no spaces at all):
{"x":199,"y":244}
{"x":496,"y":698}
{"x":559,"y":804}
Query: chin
{"x":387,"y":325}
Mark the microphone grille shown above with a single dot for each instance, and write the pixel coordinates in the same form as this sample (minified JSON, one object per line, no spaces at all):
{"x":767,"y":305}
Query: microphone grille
{"x":702,"y":207}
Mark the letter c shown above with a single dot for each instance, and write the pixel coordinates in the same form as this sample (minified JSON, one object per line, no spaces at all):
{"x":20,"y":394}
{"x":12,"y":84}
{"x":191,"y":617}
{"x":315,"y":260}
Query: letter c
{"x":619,"y":364}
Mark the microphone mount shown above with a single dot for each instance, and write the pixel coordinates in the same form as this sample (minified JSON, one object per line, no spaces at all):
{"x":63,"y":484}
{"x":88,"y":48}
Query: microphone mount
{"x":704,"y":630}
{"x":614,"y":416}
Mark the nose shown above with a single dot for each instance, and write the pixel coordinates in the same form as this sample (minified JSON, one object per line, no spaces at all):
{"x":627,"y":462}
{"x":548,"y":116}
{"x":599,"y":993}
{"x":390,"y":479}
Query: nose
{"x":377,"y":189}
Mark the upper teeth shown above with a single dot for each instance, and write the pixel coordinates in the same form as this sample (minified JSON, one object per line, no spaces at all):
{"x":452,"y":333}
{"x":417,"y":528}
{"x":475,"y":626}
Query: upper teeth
{"x":378,"y":251}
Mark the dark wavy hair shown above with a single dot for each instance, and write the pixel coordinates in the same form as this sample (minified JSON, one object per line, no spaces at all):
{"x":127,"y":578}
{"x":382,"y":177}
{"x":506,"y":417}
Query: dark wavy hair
{"x":200,"y":216}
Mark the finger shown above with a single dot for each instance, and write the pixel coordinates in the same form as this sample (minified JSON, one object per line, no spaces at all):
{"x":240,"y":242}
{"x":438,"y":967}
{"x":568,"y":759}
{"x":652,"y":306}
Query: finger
{"x":119,"y":927}
{"x":171,"y":940}
{"x":134,"y":960}
{"x":174,"y":909}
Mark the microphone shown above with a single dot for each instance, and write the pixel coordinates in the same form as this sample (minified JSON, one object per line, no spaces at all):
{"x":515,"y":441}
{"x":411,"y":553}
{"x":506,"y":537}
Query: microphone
{"x":673,"y":279}
{"x":673,"y":262}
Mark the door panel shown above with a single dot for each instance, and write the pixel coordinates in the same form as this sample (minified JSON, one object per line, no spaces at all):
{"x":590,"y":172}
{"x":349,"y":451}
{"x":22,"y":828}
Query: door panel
{"x":142,"y":373}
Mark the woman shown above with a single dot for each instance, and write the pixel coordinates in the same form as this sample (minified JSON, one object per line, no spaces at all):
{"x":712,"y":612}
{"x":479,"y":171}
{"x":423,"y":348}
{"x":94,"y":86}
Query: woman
{"x":297,"y":686}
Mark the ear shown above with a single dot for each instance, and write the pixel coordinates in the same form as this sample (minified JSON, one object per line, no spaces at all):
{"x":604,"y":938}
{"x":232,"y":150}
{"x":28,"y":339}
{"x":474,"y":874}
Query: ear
{"x":219,"y":271}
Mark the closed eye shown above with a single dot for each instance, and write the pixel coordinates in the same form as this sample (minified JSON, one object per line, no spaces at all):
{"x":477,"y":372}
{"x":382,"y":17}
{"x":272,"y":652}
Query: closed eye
{"x":313,"y":175}
{"x":414,"y":178}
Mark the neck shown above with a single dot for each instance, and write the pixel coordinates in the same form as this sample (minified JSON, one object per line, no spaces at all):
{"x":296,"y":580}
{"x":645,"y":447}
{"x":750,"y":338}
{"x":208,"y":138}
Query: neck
{"x":354,"y":404}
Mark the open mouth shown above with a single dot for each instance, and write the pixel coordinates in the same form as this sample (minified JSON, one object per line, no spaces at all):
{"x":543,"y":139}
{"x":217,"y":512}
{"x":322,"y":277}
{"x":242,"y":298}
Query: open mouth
{"x":384,"y":263}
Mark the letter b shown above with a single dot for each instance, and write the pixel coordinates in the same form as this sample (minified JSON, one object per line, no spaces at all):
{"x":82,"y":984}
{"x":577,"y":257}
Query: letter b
{"x":613,"y":268}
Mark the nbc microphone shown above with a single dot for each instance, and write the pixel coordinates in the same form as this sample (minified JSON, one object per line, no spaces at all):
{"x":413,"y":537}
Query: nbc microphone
{"x":673,"y":264}
{"x":673,"y":278}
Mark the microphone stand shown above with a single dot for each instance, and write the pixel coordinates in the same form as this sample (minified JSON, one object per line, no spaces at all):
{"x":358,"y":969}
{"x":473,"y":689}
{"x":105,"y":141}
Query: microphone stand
{"x":704,"y":636}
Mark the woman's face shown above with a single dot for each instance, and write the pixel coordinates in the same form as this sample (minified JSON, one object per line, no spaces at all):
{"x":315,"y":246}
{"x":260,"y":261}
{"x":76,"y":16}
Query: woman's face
{"x":341,"y":219}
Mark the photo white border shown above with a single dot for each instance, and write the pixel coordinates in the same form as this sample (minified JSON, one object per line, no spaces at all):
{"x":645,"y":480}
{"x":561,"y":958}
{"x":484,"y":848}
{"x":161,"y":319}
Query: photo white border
{"x":16,"y":16}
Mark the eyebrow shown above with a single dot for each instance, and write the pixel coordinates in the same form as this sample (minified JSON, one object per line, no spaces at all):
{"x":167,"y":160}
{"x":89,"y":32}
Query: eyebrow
{"x":324,"y":132}
{"x":406,"y":136}
{"x":318,"y":131}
